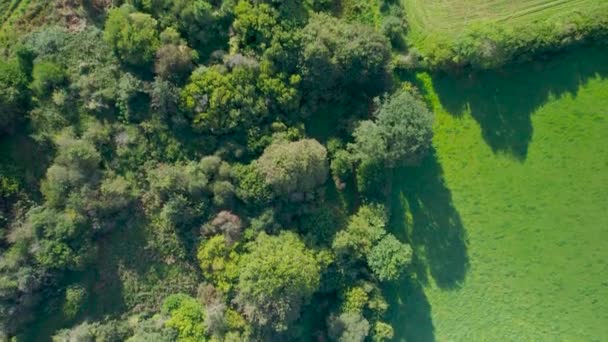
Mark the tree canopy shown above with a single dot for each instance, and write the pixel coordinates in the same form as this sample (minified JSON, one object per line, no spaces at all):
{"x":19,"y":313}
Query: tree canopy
{"x":400,"y":134}
{"x":290,"y":167}
{"x":132,"y":34}
{"x":276,"y":277}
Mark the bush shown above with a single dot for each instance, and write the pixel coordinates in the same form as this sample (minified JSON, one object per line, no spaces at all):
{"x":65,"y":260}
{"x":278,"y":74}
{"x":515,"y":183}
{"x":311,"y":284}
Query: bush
{"x":13,"y":93}
{"x":371,"y":179}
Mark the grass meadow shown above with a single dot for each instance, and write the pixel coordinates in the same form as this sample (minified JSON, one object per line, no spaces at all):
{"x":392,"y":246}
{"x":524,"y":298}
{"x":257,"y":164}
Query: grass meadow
{"x":430,"y":20}
{"x":508,"y":217}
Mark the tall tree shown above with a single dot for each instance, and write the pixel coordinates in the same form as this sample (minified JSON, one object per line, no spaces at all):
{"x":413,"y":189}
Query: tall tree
{"x":298,"y":166}
{"x":133,"y":35}
{"x":277,"y":276}
{"x":400,"y":134}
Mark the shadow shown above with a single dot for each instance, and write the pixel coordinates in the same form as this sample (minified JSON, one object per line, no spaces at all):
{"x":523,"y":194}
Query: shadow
{"x":422,"y":214}
{"x":503,"y":100}
{"x":436,"y":232}
{"x":409,"y":311}
{"x":122,"y":257}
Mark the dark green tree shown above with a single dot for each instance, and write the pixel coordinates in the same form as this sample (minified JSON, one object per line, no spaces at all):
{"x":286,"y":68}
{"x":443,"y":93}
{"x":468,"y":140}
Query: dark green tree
{"x":339,"y":56}
{"x":400,"y":134}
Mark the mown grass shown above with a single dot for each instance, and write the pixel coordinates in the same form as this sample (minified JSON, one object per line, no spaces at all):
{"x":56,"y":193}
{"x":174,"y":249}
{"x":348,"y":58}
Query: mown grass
{"x":430,"y":20}
{"x":508,"y":216}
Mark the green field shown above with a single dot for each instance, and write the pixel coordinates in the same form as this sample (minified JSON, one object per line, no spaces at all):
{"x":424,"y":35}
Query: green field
{"x":508,"y":217}
{"x":429,"y":19}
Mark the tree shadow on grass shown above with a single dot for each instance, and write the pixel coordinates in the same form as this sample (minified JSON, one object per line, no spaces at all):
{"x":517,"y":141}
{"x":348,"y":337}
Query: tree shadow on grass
{"x":422,"y":213}
{"x":502,"y":101}
{"x":436,"y":232}
{"x":409,"y":311}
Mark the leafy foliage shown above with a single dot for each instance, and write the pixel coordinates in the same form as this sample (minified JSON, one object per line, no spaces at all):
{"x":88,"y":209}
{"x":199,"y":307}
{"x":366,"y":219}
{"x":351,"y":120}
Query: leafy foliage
{"x":389,"y":258}
{"x":276,"y":278}
{"x":290,"y":167}
{"x":401,"y":133}
{"x":222,"y":101}
{"x":339,"y":54}
{"x":133,"y":35}
{"x":187,"y":316}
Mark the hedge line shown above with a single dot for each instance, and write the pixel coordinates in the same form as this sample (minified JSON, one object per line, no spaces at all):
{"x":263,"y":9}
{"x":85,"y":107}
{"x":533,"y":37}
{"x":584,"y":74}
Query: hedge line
{"x":489,"y":46}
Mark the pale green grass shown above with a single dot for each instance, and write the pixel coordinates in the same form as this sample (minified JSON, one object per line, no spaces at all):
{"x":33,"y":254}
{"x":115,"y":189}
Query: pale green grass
{"x":511,"y":243}
{"x":429,"y":19}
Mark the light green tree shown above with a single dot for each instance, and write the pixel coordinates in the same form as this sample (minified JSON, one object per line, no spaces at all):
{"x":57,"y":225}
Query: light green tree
{"x":276,"y":277}
{"x":132,"y":34}
{"x":389,"y":258}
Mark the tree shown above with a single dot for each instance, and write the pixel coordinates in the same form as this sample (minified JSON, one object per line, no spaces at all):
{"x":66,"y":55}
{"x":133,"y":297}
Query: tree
{"x":348,"y":327}
{"x":218,"y":261}
{"x":338,"y":56}
{"x":251,"y":186}
{"x":276,"y":277}
{"x":14,"y":94}
{"x":187,"y":316}
{"x":401,"y":133}
{"x":254,"y":24}
{"x":194,"y":19}
{"x":382,"y":332}
{"x":133,"y":35}
{"x":298,"y":166}
{"x":223,"y":101}
{"x":226,"y":223}
{"x":364,"y":230}
{"x":389,"y":258}
{"x":174,"y":59}
{"x":76,"y":164}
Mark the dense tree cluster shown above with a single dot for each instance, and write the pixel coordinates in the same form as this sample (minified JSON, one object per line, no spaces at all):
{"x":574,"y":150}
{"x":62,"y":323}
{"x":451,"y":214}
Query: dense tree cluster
{"x":180,"y":191}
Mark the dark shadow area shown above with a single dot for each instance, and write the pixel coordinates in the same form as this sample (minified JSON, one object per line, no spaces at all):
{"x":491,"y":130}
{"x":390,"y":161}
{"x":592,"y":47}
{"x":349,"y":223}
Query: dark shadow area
{"x":435,"y":231}
{"x":123,"y":249}
{"x":437,"y":235}
{"x":502,"y":101}
{"x":409,"y":311}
